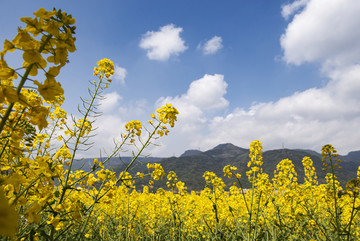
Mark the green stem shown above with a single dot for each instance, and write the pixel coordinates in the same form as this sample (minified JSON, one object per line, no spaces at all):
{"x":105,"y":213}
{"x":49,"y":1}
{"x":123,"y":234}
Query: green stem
{"x":78,"y":139}
{"x":257,"y":216}
{"x":90,"y":211}
{"x":243,"y":194}
{"x":335,"y":198}
{"x":139,"y":152}
{"x":25,"y":189}
{"x":7,"y":139}
{"x":351,"y":216}
{"x":251,"y":204}
{"x":215,"y":212}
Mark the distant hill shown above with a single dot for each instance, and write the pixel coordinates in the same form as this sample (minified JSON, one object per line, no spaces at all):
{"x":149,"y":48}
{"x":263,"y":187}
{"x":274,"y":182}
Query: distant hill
{"x":192,"y":164}
{"x":114,"y":162}
{"x":353,"y":156}
{"x":311,"y":152}
{"x":190,"y":153}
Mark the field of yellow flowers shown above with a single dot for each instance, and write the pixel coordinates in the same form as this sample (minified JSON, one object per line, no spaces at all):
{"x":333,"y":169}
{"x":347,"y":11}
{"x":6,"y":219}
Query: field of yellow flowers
{"x":43,"y":198}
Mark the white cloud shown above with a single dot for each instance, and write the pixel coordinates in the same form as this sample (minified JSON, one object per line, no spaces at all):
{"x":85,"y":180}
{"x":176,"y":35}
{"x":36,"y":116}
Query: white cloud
{"x":211,"y":46}
{"x":134,"y":109}
{"x":111,"y":123}
{"x":120,"y":74}
{"x":164,"y":43}
{"x":207,"y":92}
{"x":325,"y":32}
{"x":289,"y":9}
{"x":203,"y":98}
{"x":204,"y":94}
{"x":307,"y":119}
{"x":109,"y":102}
{"x":109,"y":128}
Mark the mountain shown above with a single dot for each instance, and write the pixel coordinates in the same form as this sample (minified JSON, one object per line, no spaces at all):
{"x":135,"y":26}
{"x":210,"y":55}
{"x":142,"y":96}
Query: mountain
{"x":190,"y":153}
{"x":310,"y":152}
{"x":353,"y":156}
{"x":192,"y":164}
{"x":226,"y":150}
{"x":190,"y":169}
{"x":114,"y":162}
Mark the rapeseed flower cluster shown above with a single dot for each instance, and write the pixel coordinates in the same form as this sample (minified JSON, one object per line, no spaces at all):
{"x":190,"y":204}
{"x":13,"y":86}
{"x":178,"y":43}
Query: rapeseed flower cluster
{"x":167,"y":114}
{"x":158,"y":172}
{"x":105,"y":69}
{"x":134,"y":127}
{"x":229,"y":171}
{"x":310,"y":173}
{"x":172,"y":180}
{"x":255,"y":162}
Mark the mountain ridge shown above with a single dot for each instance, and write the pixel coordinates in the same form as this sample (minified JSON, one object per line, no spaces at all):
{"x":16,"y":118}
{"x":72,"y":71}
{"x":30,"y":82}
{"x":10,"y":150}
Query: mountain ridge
{"x":192,"y":164}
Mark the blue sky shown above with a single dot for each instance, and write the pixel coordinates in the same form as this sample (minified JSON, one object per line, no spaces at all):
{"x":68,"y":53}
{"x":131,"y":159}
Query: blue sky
{"x":284,"y":72}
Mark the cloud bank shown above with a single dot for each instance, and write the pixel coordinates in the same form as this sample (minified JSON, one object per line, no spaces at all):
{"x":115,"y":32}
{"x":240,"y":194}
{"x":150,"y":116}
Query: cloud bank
{"x":324,"y":32}
{"x":321,"y":32}
{"x":307,"y":119}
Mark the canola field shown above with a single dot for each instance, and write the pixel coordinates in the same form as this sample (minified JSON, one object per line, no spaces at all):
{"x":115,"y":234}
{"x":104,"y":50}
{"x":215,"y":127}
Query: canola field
{"x":43,"y":198}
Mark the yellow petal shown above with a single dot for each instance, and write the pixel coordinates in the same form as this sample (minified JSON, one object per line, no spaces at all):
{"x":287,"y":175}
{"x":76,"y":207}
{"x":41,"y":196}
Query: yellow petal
{"x":8,"y":217}
{"x":5,"y":71}
{"x":10,"y":94}
{"x":42,"y":13}
{"x":50,"y":89}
